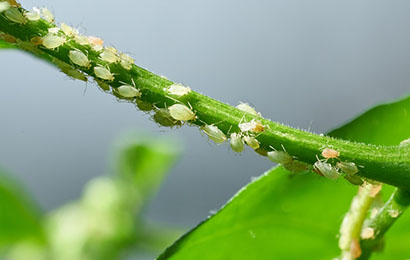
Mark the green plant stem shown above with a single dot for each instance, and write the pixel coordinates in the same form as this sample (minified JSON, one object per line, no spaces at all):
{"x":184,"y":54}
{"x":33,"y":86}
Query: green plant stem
{"x":388,"y":164}
{"x":398,"y":202}
{"x":354,"y":219}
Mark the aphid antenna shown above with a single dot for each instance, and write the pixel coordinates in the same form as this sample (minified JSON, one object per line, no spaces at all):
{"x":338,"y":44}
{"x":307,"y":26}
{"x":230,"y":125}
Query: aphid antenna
{"x":85,"y":90}
{"x":229,"y":130}
{"x":283,"y":147}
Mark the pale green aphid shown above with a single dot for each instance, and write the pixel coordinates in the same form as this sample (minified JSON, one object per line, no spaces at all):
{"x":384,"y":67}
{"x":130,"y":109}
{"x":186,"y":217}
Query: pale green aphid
{"x":14,"y":15}
{"x":4,"y":6}
{"x":47,"y":15}
{"x":103,"y":73}
{"x":33,"y":15}
{"x":126,"y":61}
{"x":245,"y":107}
{"x":236,"y":143}
{"x":354,"y":179}
{"x":214,"y":133}
{"x":296,"y":166}
{"x":109,"y":56}
{"x":128,"y":91}
{"x":405,"y":143}
{"x":53,"y":30}
{"x":280,"y":157}
{"x":181,"y":112}
{"x":164,"y":118}
{"x":178,"y":90}
{"x":53,"y":41}
{"x":349,"y":168}
{"x":327,"y":170}
{"x":82,"y":40}
{"x":251,"y":141}
{"x":68,"y":30}
{"x":79,"y":58}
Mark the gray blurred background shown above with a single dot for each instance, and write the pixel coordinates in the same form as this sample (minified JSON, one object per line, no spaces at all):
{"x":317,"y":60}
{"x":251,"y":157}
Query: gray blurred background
{"x":309,"y":64}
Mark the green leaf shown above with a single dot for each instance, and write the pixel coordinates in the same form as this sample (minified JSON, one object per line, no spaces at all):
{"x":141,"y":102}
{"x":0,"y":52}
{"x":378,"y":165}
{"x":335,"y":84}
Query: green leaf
{"x":144,"y":160}
{"x":283,"y":217}
{"x":6,"y":45}
{"x":19,"y":217}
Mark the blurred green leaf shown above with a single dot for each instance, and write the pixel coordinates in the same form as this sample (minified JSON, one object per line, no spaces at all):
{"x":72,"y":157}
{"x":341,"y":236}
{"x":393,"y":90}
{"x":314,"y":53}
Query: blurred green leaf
{"x":283,"y":217}
{"x":19,"y":217}
{"x":144,"y":160}
{"x":6,"y":45}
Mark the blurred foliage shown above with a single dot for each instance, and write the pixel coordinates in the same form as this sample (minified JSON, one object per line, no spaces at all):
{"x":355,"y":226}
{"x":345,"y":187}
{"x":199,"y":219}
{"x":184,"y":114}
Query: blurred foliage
{"x":6,"y":45}
{"x":280,"y":216}
{"x":104,"y":221}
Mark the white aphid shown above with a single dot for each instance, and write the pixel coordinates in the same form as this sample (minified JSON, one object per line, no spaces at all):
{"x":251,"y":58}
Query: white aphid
{"x":326,"y":169}
{"x":214,"y":133}
{"x":128,"y":91}
{"x":103,"y":73}
{"x":33,"y":15}
{"x":109,"y":55}
{"x":97,"y":43}
{"x":178,"y":90}
{"x":181,"y":112}
{"x":405,"y":143}
{"x":394,"y":213}
{"x":236,"y":143}
{"x":367,"y":233}
{"x":251,"y":141}
{"x":280,"y":157}
{"x":349,"y":168}
{"x":53,"y":30}
{"x":79,"y":58}
{"x":4,"y":6}
{"x":68,"y":30}
{"x":14,"y":15}
{"x":53,"y":41}
{"x":126,"y":61}
{"x":81,"y":39}
{"x":47,"y":15}
{"x":253,"y":126}
{"x":245,"y":107}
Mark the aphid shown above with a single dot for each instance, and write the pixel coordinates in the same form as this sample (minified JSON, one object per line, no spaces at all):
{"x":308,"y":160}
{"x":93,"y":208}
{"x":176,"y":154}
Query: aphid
{"x":14,"y":15}
{"x":8,"y":38}
{"x":128,"y":91}
{"x":81,"y":39}
{"x":4,"y":6}
{"x":53,"y":41}
{"x":36,"y":40}
{"x":355,"y":250}
{"x":253,"y":126}
{"x":104,"y":86}
{"x":349,"y":168}
{"x":354,"y":179}
{"x":97,"y":43}
{"x":109,"y":56}
{"x":178,"y":90}
{"x":181,"y":112}
{"x":236,"y":143}
{"x":245,"y":107}
{"x":405,"y":143}
{"x":33,"y":15}
{"x":68,"y":30}
{"x":367,"y":233}
{"x":144,"y":106}
{"x":280,"y":157}
{"x":79,"y":58}
{"x":251,"y":141}
{"x":103,"y":73}
{"x":394,"y":213}
{"x":296,"y":166}
{"x":163,"y":117}
{"x":326,"y":169}
{"x":53,"y":30}
{"x":47,"y":15}
{"x":214,"y":133}
{"x":329,"y":153}
{"x":126,"y":61}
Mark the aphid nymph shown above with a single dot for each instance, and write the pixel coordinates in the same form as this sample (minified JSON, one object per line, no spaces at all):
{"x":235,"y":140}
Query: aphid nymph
{"x":79,"y":58}
{"x":53,"y":41}
{"x":280,"y":157}
{"x":245,"y":107}
{"x":251,"y":141}
{"x":178,"y":90}
{"x":128,"y":91}
{"x":236,"y":143}
{"x":214,"y":133}
{"x":103,"y":73}
{"x":47,"y":15}
{"x":329,"y":153}
{"x":14,"y":15}
{"x":326,"y":169}
{"x":181,"y":112}
{"x":349,"y":168}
